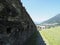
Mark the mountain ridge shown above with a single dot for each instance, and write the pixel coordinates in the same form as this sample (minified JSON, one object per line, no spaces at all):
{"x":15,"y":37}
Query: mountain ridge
{"x":53,"y":20}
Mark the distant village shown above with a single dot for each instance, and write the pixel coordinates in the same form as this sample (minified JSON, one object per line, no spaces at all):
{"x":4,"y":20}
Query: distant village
{"x":46,"y":26}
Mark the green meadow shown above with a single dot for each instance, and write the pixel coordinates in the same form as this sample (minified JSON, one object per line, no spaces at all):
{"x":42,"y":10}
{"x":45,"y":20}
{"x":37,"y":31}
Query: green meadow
{"x":51,"y":36}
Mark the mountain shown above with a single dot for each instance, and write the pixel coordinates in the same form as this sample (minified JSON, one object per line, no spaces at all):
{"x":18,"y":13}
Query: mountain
{"x":53,"y":20}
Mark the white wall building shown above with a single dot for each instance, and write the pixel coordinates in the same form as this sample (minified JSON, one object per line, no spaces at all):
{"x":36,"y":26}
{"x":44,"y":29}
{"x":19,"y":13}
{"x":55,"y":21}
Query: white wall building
{"x":39,"y":27}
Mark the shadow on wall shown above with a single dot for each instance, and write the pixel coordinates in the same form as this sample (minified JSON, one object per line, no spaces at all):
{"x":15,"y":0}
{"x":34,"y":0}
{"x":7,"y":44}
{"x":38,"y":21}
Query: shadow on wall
{"x":35,"y":39}
{"x":40,"y":40}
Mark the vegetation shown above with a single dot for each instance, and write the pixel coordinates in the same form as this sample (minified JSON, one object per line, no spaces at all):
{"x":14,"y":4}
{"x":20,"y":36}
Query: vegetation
{"x":51,"y":36}
{"x":54,"y":20}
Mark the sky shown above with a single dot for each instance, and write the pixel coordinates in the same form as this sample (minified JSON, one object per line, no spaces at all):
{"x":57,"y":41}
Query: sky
{"x":41,"y":10}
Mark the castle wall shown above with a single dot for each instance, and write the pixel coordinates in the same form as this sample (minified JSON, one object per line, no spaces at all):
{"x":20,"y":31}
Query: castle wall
{"x":16,"y":24}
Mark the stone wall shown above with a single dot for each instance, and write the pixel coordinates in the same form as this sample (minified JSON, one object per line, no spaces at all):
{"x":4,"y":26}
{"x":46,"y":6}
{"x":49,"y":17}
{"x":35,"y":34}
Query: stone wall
{"x":16,"y":26}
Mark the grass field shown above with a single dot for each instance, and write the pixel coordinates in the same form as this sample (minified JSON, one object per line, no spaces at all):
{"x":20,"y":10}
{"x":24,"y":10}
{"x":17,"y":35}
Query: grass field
{"x":51,"y":36}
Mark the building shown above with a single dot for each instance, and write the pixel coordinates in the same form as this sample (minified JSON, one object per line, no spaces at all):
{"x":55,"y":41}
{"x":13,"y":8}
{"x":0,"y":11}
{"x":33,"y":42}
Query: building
{"x":40,"y":27}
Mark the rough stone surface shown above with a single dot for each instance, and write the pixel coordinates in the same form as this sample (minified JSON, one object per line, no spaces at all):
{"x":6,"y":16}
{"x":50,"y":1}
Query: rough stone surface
{"x":16,"y":26}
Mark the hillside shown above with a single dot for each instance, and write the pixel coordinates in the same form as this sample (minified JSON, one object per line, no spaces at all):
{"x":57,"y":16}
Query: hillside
{"x":53,"y":20}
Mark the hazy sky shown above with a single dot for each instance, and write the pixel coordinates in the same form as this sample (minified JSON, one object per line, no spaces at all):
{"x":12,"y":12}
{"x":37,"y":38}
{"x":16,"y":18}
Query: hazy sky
{"x":41,"y":10}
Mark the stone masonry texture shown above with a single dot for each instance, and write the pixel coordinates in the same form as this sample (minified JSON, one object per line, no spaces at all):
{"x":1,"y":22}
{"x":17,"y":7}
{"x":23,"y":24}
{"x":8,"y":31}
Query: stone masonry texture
{"x":16,"y":26}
